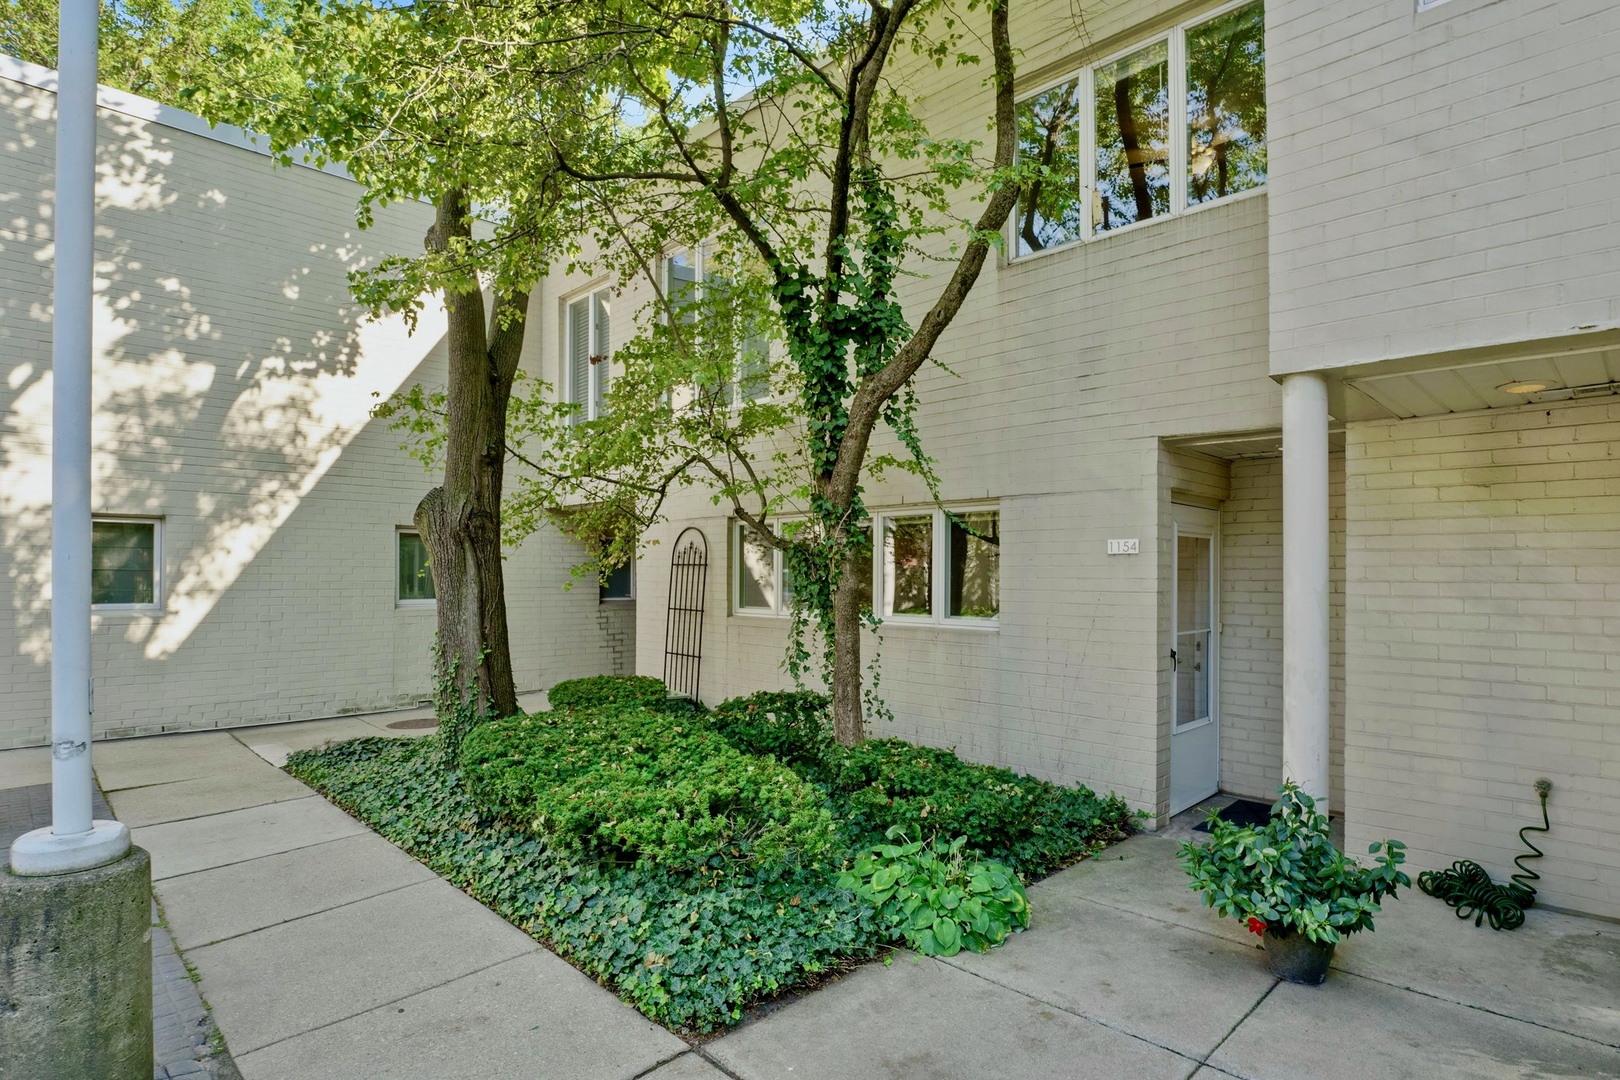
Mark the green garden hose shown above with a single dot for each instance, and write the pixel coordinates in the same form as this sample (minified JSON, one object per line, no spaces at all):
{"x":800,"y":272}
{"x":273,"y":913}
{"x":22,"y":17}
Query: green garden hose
{"x":1469,"y":889}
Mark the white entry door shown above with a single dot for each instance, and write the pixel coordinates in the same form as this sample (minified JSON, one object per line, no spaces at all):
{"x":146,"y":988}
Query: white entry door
{"x":1195,"y":746}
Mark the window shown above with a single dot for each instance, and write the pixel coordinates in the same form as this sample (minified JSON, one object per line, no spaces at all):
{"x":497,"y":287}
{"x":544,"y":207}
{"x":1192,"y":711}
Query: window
{"x":125,"y":563}
{"x":1108,"y":134}
{"x":621,"y":584}
{"x":762,"y":582}
{"x":415,"y":575}
{"x":589,"y":368}
{"x":918,"y":586}
{"x":691,"y":284}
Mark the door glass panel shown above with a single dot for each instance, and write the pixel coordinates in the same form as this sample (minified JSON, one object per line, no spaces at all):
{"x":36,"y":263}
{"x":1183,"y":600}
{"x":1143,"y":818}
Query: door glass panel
{"x":1194,"y":629}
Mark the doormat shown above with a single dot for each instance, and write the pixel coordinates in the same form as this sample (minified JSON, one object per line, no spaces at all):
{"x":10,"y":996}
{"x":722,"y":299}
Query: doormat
{"x":1244,"y":812}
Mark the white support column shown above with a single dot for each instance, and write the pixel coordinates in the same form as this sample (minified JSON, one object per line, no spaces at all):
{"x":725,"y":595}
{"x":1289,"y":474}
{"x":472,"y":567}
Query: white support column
{"x":74,"y":841}
{"x":1305,"y":584}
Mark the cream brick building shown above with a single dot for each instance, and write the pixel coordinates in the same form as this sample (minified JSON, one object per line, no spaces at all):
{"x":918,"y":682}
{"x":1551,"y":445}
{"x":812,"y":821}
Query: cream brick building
{"x":1428,"y":218}
{"x":1436,"y":219}
{"x":234,"y":382}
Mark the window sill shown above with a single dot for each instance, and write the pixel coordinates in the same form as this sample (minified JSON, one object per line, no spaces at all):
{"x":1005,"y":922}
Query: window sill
{"x":617,"y":601}
{"x":912,"y":622}
{"x":415,"y":605}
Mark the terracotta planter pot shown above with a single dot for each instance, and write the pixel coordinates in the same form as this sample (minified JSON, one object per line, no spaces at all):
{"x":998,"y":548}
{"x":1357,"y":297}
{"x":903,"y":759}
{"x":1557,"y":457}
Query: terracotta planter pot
{"x":1297,"y":959}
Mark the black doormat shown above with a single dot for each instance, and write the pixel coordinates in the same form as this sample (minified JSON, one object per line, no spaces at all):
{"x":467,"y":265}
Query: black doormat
{"x":1244,"y":812}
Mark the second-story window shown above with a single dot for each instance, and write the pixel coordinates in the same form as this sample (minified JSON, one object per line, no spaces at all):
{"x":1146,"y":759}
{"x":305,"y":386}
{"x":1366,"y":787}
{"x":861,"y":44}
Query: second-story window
{"x":1169,"y":124}
{"x":588,"y":368}
{"x":697,"y":299}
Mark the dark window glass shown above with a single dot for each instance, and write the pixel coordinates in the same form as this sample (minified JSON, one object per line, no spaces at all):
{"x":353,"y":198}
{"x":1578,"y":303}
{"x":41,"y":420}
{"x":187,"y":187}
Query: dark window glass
{"x":123,"y":562}
{"x":619,"y":584}
{"x":1133,"y":138}
{"x":1049,"y":211}
{"x":976,"y":565}
{"x":1226,"y":105}
{"x":908,"y":556}
{"x":415,"y":576}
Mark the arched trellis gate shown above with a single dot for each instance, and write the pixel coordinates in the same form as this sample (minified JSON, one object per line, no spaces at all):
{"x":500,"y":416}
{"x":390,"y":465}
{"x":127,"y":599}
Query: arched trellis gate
{"x":683,"y":626}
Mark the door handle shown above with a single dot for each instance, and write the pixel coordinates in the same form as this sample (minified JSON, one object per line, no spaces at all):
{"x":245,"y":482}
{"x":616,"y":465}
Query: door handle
{"x":1175,"y":662}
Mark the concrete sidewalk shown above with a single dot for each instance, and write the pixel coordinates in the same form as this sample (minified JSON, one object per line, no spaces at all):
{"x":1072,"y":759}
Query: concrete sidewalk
{"x":327,"y":953}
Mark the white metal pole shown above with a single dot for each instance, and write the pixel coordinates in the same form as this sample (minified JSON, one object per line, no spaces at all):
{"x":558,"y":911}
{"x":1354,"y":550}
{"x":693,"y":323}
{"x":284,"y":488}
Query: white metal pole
{"x":1305,"y":584}
{"x":73,"y":841}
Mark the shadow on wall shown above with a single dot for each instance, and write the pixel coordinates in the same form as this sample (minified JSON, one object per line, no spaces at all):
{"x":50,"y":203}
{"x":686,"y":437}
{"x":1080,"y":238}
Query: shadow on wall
{"x":232,"y":368}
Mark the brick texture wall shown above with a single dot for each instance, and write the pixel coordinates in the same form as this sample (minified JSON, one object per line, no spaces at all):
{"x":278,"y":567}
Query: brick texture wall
{"x":234,"y":380}
{"x":1484,"y":640}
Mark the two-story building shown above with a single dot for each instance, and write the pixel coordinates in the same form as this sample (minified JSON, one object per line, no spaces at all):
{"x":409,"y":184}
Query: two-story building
{"x":1291,"y":413}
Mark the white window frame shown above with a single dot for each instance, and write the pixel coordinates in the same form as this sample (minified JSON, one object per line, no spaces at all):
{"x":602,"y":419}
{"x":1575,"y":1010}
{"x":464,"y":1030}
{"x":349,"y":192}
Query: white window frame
{"x":940,"y":586}
{"x":1086,"y":78}
{"x":590,"y":405}
{"x":156,"y":606}
{"x":399,"y":602}
{"x":700,"y":262}
{"x":631,"y":566}
{"x":739,"y":532}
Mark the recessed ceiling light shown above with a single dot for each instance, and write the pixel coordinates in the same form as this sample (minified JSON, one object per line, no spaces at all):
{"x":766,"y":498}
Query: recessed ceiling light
{"x":1526,"y":386}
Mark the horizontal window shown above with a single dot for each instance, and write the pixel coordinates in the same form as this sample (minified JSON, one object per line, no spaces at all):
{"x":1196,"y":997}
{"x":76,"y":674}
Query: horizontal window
{"x":940,"y":566}
{"x":125,"y":562}
{"x":415,"y":575}
{"x":1173,"y":123}
{"x":761,"y":581}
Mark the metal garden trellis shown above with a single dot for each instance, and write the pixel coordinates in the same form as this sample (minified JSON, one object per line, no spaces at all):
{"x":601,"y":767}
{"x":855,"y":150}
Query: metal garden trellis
{"x":683,"y":626}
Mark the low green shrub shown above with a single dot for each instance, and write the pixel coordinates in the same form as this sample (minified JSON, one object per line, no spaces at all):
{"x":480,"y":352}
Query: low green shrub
{"x":1033,"y":825}
{"x":793,"y":727}
{"x":689,"y":949}
{"x":631,"y":783}
{"x":600,"y":691}
{"x":937,"y":900}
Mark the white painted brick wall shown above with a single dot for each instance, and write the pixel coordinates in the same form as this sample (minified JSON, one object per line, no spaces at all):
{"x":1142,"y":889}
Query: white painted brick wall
{"x":234,"y":378}
{"x":1484,"y":641}
{"x":1440,"y":180}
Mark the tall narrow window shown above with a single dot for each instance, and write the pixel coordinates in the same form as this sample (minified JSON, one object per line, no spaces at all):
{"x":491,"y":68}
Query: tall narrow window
{"x":1133,"y":138}
{"x":757,"y":572}
{"x":1226,"y":105}
{"x":415,"y":575}
{"x":124,"y":563}
{"x":975,"y":584}
{"x":1049,"y":209}
{"x":908,"y":565}
{"x":589,"y":336}
{"x":698,"y":297}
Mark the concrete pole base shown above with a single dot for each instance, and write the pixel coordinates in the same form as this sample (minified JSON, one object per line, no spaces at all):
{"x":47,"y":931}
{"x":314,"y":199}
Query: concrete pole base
{"x":76,"y":973}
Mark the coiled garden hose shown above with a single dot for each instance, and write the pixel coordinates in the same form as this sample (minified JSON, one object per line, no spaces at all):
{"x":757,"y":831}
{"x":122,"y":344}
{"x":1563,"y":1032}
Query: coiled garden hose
{"x":1469,"y":889}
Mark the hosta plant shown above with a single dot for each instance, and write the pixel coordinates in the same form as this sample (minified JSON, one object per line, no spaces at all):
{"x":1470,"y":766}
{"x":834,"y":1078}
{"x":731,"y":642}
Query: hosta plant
{"x":1286,"y":877}
{"x":939,"y":901}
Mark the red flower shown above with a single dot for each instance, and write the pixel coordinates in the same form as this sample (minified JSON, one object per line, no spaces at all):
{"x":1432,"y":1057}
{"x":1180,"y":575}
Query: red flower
{"x":1257,"y":927}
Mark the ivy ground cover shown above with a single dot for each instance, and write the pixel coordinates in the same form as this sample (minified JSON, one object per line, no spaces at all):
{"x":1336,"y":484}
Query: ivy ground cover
{"x":697,"y":863}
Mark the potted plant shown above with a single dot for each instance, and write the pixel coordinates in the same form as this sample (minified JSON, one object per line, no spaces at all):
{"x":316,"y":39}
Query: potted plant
{"x":1290,"y":885}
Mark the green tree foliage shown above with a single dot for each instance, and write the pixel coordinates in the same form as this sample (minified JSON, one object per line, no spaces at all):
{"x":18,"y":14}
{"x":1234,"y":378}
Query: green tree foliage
{"x":161,"y":49}
{"x":777,"y":144}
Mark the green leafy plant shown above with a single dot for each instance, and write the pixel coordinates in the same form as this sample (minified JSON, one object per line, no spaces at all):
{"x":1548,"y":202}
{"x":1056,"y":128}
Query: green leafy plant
{"x":794,"y":727}
{"x":935,"y":898}
{"x":689,"y":948}
{"x":629,"y":784}
{"x":598,"y":691}
{"x":1286,"y":877}
{"x":1035,"y":826}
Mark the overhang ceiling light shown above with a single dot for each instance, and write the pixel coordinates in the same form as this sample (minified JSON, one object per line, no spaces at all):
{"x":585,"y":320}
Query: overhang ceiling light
{"x":1524,"y":386}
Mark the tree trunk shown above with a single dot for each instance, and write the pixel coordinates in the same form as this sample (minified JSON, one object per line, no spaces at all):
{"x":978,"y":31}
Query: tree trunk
{"x":460,"y":520}
{"x":848,"y":719}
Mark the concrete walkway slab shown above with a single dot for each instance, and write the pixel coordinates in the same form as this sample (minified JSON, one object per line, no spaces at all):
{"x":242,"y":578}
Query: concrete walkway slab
{"x":1142,"y":876}
{"x":531,"y":1018}
{"x":1176,"y":987}
{"x":166,"y":759}
{"x":276,"y":742}
{"x":1354,"y":1029}
{"x":689,"y":1066}
{"x":184,"y":847}
{"x":1556,"y":970}
{"x":235,"y":789}
{"x":300,"y":975}
{"x":227,"y":901}
{"x":923,"y":1020}
{"x":25,"y":768}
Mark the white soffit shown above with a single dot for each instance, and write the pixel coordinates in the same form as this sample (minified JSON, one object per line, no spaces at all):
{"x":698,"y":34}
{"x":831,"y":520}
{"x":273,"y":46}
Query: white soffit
{"x":1473,"y":387}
